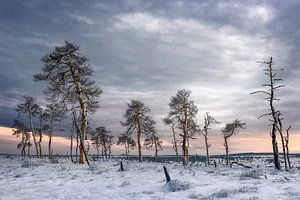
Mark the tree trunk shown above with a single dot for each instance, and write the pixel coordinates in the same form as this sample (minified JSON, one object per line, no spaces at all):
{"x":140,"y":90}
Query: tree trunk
{"x":175,"y":147}
{"x":83,"y":124}
{"x":273,"y":134}
{"x":207,"y":153}
{"x":156,"y":150}
{"x":77,"y":145}
{"x":40,"y":136}
{"x":282,"y":141}
{"x":287,"y":147}
{"x":185,"y":157}
{"x":275,"y":148}
{"x":126,"y":149}
{"x":226,"y":150}
{"x":139,"y":138}
{"x":33,"y":133}
{"x":71,"y":147}
{"x":50,"y":137}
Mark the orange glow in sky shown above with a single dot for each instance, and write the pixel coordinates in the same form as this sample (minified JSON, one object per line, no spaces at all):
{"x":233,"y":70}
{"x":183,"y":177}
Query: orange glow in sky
{"x":243,"y":142}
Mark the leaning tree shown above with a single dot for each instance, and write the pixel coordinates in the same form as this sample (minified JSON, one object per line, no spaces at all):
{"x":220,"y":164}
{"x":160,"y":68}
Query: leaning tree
{"x":137,"y":121}
{"x":209,"y":121}
{"x":275,"y":116}
{"x":229,"y":130}
{"x":183,"y":113}
{"x":68,"y":74}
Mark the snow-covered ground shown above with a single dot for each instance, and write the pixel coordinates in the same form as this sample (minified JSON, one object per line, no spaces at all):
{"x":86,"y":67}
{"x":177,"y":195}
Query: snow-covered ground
{"x":41,"y":179}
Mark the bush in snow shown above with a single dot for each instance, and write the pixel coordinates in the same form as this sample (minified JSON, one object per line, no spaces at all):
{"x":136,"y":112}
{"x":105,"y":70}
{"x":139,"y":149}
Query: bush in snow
{"x":249,"y":175}
{"x":175,"y":185}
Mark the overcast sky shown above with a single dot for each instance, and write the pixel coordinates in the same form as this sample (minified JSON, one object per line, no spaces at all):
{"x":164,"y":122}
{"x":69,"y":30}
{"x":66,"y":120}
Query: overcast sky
{"x":150,"y":49}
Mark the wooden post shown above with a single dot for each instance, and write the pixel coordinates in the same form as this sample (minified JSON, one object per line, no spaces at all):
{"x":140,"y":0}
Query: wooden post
{"x":167,"y":174}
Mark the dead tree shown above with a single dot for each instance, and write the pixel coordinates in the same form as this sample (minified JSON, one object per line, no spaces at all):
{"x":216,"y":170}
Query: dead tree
{"x":287,"y":146}
{"x":30,"y":107}
{"x":127,"y":141}
{"x":137,"y":121}
{"x":208,"y":122}
{"x":175,"y":141}
{"x":183,"y":113}
{"x":275,"y":115}
{"x":68,"y":75}
{"x":229,"y":130}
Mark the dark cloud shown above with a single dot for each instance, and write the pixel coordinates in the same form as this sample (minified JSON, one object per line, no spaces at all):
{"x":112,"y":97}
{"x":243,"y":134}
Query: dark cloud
{"x":150,"y":49}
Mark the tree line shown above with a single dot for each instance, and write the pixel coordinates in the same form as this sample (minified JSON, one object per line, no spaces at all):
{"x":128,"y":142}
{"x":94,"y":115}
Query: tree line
{"x":71,"y":93}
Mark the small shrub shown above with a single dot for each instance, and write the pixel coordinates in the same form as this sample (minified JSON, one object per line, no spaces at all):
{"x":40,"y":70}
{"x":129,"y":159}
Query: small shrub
{"x":175,"y":185}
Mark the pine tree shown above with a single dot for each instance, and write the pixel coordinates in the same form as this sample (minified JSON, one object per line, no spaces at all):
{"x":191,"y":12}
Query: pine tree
{"x":69,"y":82}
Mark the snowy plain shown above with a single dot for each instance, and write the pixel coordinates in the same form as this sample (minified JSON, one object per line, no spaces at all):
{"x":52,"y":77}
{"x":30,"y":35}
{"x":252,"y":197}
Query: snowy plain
{"x":23,"y":178}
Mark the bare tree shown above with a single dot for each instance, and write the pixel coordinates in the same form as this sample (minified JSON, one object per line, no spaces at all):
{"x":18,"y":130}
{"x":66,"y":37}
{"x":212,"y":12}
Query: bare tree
{"x":286,"y":139}
{"x":183,"y":113}
{"x":275,"y":115}
{"x":137,"y":121}
{"x":30,"y":107}
{"x":68,"y":75}
{"x":19,"y":130}
{"x":175,"y":141}
{"x":126,"y":140}
{"x":208,"y":122}
{"x":229,"y":130}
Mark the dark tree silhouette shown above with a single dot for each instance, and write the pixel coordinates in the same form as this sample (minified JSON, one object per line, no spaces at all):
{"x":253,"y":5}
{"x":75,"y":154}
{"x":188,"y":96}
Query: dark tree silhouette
{"x":69,"y":82}
{"x":175,"y":141}
{"x":126,"y":140}
{"x":30,"y":107}
{"x":43,"y":117}
{"x":102,"y":138}
{"x":56,"y":113}
{"x":183,"y":113}
{"x":137,"y":121}
{"x":274,"y":114}
{"x":19,"y":130}
{"x":208,"y":122}
{"x":229,"y":130}
{"x":153,"y":141}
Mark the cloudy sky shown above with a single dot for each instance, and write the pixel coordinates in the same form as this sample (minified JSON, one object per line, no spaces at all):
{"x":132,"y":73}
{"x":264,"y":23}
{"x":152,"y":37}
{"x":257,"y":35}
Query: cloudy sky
{"x":150,"y":49}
